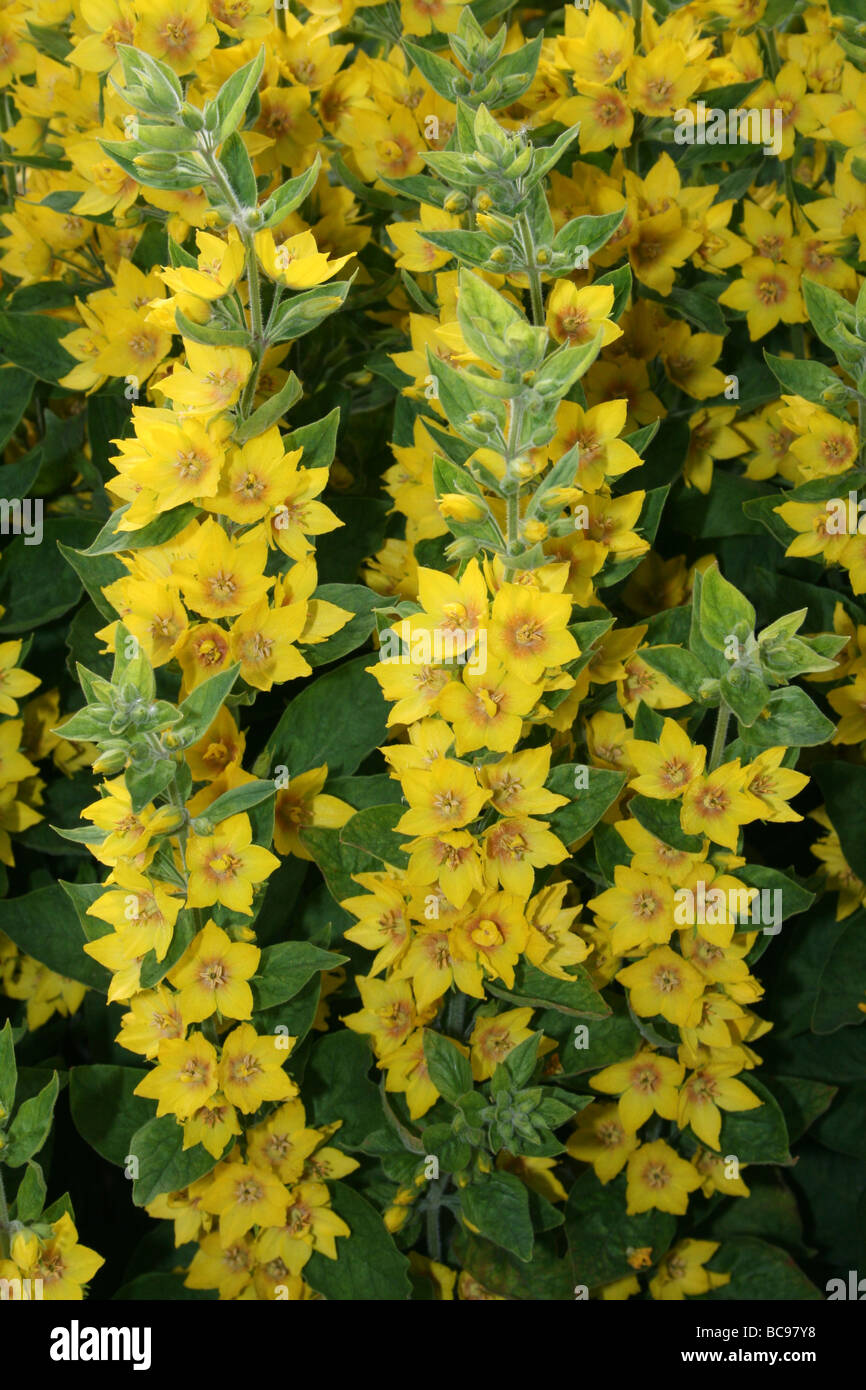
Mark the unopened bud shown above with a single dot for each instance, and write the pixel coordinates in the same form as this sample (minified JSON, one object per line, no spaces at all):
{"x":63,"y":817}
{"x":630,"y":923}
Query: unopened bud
{"x":456,"y":507}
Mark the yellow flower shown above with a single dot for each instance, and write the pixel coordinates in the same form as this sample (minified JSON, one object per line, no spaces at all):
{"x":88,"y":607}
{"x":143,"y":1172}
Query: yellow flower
{"x":602,"y":1140}
{"x":681,"y":1271}
{"x":514,"y":848}
{"x":708,"y":1090}
{"x":665,"y":768}
{"x":493,"y":1038}
{"x":262,"y":641}
{"x":418,"y":255}
{"x":666,"y":984}
{"x":226,"y":866}
{"x":63,"y":1265}
{"x":176,"y":32}
{"x":185,"y":1077}
{"x":222,"y":577}
{"x":388,"y":1016}
{"x":213,"y":1125}
{"x":212,"y":976}
{"x":659,"y":1179}
{"x":773,"y":784}
{"x":445,"y":796}
{"x":488,"y":939}
{"x":718,"y":804}
{"x":251,"y":1068}
{"x":641,"y":908}
{"x":768,"y":294}
{"x":211,"y":381}
{"x":297,"y":262}
{"x":646,"y":1085}
{"x":243,"y":1195}
{"x":284,"y":1142}
{"x":529,"y":631}
{"x":575,"y":316}
{"x":13,"y":681}
{"x":152,"y":1016}
{"x":220,"y":264}
{"x":486,"y":709}
{"x":302,"y":803}
{"x":663,"y":81}
{"x":406,"y":1072}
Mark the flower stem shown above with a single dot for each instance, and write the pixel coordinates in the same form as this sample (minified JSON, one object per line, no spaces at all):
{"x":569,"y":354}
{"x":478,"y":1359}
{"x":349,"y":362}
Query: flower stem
{"x":720,"y":736}
{"x":536,"y":296}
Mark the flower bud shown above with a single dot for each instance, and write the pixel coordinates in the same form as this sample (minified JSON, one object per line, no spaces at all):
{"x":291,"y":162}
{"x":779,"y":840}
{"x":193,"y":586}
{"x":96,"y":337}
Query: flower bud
{"x":456,"y":507}
{"x":496,"y":226}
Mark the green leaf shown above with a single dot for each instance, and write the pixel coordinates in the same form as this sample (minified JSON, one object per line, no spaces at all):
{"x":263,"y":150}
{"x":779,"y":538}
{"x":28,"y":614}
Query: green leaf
{"x":239,"y":171}
{"x":368,"y":1265}
{"x":163,"y":1163}
{"x":284,"y":970}
{"x":597,"y":1043}
{"x":319,"y":443}
{"x":163,"y":528}
{"x":31,"y":1125}
{"x":96,"y":572}
{"x":271,"y":412}
{"x":844,"y":789}
{"x":802,"y":1102}
{"x":304,"y":312}
{"x":17,"y":388}
{"x":338,"y":861}
{"x":769,"y":1212}
{"x":600,"y":1233}
{"x":792,"y":719}
{"x":203,"y":704}
{"x":31,"y":1194}
{"x":759,"y":1271}
{"x":576,"y":997}
{"x":449,"y":1070}
{"x":45,"y":924}
{"x":104,"y":1109}
{"x":32,"y":342}
{"x":827,"y":310}
{"x":841,"y":981}
{"x":8,"y":1071}
{"x":34,"y":588}
{"x":354,"y":598}
{"x":679,"y":665}
{"x":372,"y":830}
{"x":546,"y":1277}
{"x":212,"y":334}
{"x":239,"y":799}
{"x":303,"y":740}
{"x":724,"y":611}
{"x":337,"y":1086}
{"x":759,"y":1135}
{"x":590,"y":231}
{"x":289,"y":195}
{"x":662,"y":819}
{"x":745,"y":693}
{"x":498,"y":1206}
{"x":296,"y":1016}
{"x":811,"y":380}
{"x":235,"y":94}
{"x":587,"y":805}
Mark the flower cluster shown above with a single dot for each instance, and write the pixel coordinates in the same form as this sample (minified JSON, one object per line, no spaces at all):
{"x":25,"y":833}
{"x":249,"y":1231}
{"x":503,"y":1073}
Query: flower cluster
{"x":518,"y":356}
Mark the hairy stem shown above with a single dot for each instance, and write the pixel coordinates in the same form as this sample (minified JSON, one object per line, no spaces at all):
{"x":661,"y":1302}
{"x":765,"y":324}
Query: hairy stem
{"x":720,"y":736}
{"x":536,"y":295}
